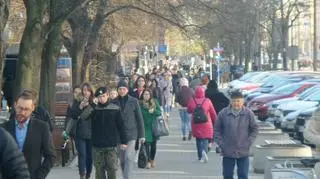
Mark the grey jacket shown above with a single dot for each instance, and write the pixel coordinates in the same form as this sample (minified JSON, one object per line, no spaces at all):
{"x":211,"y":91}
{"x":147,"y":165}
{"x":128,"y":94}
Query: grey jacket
{"x":132,"y":118}
{"x":235,"y":133}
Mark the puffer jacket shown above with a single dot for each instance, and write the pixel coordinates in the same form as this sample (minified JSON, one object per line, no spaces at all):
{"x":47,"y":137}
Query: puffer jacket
{"x":12,"y":162}
{"x":202,"y":130}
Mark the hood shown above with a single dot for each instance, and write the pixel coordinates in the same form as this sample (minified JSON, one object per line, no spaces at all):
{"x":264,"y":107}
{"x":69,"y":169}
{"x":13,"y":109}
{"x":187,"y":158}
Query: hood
{"x":285,"y":100}
{"x":298,"y":105}
{"x":199,"y":92}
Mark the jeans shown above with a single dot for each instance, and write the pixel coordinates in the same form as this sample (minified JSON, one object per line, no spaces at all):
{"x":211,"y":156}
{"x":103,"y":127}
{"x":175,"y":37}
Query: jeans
{"x":127,"y":159}
{"x":167,"y":108}
{"x":151,"y":149}
{"x":242,"y":167}
{"x":185,"y":122}
{"x":202,"y":145}
{"x":84,"y":148}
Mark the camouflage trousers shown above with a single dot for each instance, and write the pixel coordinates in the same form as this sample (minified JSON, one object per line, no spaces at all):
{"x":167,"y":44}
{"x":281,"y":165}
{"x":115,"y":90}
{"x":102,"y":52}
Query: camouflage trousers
{"x":106,"y":159}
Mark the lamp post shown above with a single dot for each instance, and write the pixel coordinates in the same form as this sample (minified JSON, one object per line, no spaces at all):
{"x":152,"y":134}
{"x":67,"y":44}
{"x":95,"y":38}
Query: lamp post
{"x":315,"y":43}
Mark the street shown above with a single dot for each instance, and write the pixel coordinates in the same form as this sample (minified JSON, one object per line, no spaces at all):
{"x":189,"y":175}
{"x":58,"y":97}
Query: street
{"x":175,"y":159}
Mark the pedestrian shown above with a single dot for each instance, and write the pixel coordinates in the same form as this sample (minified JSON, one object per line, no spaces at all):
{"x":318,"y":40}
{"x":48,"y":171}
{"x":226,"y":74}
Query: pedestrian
{"x":202,"y":131}
{"x":83,"y":131}
{"x":107,"y":128}
{"x":113,"y":94}
{"x":204,"y":81}
{"x":235,"y":131}
{"x":12,"y":163}
{"x":183,"y":96}
{"x":133,"y":122}
{"x":150,"y":109}
{"x":156,"y":92}
{"x":139,"y":86}
{"x":167,"y":90}
{"x":219,"y":101}
{"x":32,"y":136}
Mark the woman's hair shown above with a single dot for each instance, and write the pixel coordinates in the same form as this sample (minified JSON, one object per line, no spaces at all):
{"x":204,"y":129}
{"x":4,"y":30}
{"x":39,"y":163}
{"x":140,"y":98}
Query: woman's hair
{"x":154,"y":80}
{"x":146,"y":90}
{"x":90,"y":88}
{"x":139,"y":77}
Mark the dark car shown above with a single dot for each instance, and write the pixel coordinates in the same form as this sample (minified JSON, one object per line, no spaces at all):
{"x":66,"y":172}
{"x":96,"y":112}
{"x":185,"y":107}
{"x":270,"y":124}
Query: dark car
{"x":259,"y":104}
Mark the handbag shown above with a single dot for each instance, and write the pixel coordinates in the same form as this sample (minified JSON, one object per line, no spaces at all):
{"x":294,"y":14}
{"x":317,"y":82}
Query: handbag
{"x":160,"y":127}
{"x":142,"y":158}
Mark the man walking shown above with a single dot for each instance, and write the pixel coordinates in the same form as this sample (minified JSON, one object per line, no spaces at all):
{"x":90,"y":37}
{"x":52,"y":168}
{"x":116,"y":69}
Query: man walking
{"x":134,"y":127}
{"x":107,"y":127}
{"x":235,"y":131}
{"x":32,"y":135}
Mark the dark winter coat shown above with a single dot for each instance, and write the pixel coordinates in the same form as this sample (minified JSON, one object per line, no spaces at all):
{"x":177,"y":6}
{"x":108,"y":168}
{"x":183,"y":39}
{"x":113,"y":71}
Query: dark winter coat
{"x":107,"y":125}
{"x":12,"y":163}
{"x":184,"y":95}
{"x":218,"y":99}
{"x":83,"y":126}
{"x":132,"y":117}
{"x":157,"y":94}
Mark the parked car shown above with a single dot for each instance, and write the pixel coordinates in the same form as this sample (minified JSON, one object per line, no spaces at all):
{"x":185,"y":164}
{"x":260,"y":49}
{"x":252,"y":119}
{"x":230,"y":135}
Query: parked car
{"x":293,"y":111}
{"x":300,"y":123}
{"x":273,"y":106}
{"x":259,"y":104}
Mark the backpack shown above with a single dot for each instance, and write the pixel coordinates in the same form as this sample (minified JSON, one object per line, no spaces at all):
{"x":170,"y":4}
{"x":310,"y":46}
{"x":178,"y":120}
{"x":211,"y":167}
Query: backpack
{"x":199,"y":115}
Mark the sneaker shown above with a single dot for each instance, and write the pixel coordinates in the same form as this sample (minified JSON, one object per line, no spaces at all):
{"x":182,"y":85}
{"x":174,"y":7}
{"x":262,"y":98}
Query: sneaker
{"x":148,"y":165}
{"x":205,"y":157}
{"x":184,"y":138}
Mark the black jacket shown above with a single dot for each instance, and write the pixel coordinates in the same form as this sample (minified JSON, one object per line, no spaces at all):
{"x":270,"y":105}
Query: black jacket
{"x":12,"y":162}
{"x":83,"y":126}
{"x":38,"y":144}
{"x":132,"y":118}
{"x":218,"y":99}
{"x":157,"y":94}
{"x":107,"y":125}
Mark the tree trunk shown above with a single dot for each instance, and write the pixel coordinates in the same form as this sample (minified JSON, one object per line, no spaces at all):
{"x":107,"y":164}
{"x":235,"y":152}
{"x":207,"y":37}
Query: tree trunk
{"x":4,"y":15}
{"x":49,"y":68}
{"x":31,"y":47}
{"x":247,"y":57}
{"x":284,"y":42}
{"x":91,"y":49}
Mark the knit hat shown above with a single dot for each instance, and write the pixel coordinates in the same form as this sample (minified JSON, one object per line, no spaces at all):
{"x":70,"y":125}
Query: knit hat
{"x":100,"y":91}
{"x":123,"y":84}
{"x":184,"y":82}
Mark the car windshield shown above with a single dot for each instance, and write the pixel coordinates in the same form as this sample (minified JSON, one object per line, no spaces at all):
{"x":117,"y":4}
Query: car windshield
{"x":247,"y":76}
{"x":273,"y":81}
{"x":257,"y":78}
{"x":308,"y":92}
{"x":313,"y":97}
{"x":287,"y":89}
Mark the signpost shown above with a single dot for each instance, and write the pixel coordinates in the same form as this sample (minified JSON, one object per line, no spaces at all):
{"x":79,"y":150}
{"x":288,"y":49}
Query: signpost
{"x":218,"y":51}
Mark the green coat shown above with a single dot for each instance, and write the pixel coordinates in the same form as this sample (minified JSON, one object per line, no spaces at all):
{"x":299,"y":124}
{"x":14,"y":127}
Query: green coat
{"x":148,"y":119}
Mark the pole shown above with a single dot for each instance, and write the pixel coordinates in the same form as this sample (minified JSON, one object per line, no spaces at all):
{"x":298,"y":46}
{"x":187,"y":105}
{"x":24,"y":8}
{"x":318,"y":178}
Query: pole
{"x":315,"y":43}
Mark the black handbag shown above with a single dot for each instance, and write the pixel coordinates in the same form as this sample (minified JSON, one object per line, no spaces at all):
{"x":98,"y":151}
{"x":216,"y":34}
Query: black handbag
{"x":160,"y":127}
{"x":142,"y":158}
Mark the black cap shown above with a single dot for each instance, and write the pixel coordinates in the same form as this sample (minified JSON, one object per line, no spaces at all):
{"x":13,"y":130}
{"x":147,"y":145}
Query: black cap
{"x":123,"y":83}
{"x":236,"y":95}
{"x":100,"y":91}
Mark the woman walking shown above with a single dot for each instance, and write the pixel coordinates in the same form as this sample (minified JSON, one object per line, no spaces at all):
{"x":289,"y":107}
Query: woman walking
{"x":204,"y":130}
{"x":167,"y":89}
{"x":150,"y":109}
{"x":83,"y":131}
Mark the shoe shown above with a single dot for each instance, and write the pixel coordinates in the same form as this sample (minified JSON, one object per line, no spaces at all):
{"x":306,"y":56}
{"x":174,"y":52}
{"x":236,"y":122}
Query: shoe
{"x":148,"y":165}
{"x":87,"y":177}
{"x":205,"y":157}
{"x":153,"y":163}
{"x":184,"y":138}
{"x":82,"y":176}
{"x":190,"y":135}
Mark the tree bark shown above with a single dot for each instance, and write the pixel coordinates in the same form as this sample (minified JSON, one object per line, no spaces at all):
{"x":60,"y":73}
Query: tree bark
{"x":49,"y":68}
{"x":31,"y":47}
{"x":4,"y":15}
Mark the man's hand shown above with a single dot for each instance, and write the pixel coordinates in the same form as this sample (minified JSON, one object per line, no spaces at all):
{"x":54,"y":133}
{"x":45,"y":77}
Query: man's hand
{"x":142,"y":140}
{"x":123,"y":146}
{"x":83,"y":105}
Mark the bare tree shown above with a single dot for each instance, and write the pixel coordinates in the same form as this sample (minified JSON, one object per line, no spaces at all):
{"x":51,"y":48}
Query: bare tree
{"x":4,"y":15}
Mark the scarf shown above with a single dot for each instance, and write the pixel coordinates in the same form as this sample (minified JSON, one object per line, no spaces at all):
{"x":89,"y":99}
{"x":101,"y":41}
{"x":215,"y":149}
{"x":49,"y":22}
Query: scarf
{"x":149,"y":104}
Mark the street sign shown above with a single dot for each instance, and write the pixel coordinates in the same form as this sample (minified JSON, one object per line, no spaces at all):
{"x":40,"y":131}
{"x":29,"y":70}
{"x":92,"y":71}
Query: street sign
{"x":163,"y":48}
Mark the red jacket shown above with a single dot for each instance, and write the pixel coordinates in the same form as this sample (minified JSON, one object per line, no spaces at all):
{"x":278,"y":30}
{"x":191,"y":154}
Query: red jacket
{"x":203,"y":130}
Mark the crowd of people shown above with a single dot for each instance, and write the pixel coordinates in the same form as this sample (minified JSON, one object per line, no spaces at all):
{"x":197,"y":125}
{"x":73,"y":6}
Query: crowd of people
{"x":109,"y":125}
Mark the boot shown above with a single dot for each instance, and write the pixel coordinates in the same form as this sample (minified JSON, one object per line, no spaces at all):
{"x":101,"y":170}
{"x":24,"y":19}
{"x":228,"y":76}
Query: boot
{"x":153,"y":164}
{"x":87,"y":176}
{"x":190,"y":135}
{"x":82,"y":176}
